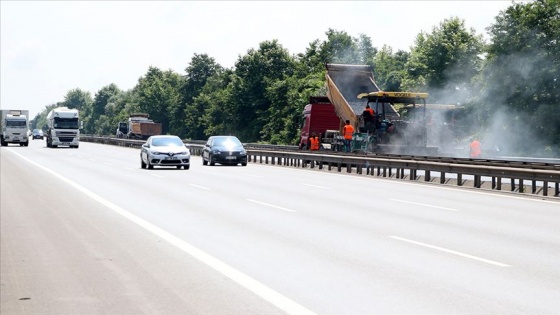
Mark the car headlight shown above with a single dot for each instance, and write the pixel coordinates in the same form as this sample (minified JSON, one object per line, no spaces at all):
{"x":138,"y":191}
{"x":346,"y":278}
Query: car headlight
{"x":155,"y":152}
{"x":243,"y":152}
{"x":215,"y":151}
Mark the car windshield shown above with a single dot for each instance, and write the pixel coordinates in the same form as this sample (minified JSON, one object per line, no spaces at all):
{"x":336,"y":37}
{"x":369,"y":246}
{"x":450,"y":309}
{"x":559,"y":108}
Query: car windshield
{"x":167,"y":142}
{"x":228,"y":142}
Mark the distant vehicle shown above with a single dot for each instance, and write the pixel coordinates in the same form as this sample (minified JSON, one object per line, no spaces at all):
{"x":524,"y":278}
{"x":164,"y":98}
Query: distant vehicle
{"x":139,"y":126}
{"x":165,"y":150}
{"x":14,"y":127}
{"x":38,"y":134}
{"x":225,"y":150}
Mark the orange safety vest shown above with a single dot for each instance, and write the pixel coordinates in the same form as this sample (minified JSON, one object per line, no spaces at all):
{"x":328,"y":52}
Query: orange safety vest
{"x":371,"y":111}
{"x":476,"y":150}
{"x":314,"y":143}
{"x":348,"y":131}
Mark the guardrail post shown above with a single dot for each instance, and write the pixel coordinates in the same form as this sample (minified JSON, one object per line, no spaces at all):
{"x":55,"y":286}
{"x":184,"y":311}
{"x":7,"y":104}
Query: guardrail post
{"x":512,"y":184}
{"x":545,"y":189}
{"x":557,"y":190}
{"x":534,"y":187}
{"x":459,"y":179}
{"x":477,"y":181}
{"x":427,"y":175}
{"x":521,"y":188}
{"x":498,"y":183}
{"x":442,"y":178}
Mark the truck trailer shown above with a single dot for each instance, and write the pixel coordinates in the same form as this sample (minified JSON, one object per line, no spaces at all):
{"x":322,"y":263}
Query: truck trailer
{"x":15,"y":127}
{"x":63,"y":127}
{"x":139,"y":126}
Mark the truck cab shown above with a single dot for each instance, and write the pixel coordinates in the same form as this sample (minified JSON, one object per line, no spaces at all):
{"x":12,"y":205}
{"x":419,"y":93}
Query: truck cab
{"x":15,"y":127}
{"x":319,"y":116}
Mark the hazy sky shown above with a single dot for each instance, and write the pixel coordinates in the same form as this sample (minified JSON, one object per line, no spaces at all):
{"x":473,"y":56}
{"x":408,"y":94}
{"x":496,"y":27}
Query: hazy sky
{"x":51,"y":47}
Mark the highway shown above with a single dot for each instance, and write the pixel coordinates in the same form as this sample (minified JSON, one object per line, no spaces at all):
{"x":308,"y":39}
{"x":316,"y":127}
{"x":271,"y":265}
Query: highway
{"x":87,"y":231}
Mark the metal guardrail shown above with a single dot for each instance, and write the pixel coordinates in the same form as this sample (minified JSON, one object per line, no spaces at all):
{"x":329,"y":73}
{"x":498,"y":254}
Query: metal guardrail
{"x":543,"y":181}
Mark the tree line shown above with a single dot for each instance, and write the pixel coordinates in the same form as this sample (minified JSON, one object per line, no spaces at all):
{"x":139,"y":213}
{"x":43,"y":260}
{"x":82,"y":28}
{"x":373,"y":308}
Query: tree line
{"x":509,"y":86}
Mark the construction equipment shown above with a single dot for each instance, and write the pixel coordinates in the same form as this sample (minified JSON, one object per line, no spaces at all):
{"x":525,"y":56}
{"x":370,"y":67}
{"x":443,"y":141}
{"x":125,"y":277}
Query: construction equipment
{"x":403,"y":135}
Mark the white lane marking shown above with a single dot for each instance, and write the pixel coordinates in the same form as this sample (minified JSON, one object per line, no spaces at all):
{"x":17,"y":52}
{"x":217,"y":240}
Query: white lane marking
{"x":268,"y":294}
{"x":257,"y":176}
{"x":316,"y":186}
{"x":269,"y":205}
{"x":488,"y":261}
{"x":157,"y":175}
{"x":424,"y":205}
{"x":198,"y":186}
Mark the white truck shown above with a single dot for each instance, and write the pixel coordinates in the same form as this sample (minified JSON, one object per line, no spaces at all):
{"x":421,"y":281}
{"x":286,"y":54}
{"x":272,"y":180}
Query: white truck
{"x":15,"y":127}
{"x":63,"y":127}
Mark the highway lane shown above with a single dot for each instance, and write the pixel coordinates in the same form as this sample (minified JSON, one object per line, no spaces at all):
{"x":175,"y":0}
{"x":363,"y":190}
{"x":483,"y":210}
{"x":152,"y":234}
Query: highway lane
{"x":333,"y":244}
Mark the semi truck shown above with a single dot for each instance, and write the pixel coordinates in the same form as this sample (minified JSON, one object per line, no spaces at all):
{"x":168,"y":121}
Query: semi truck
{"x":139,"y":126}
{"x":15,"y":127}
{"x":63,"y":127}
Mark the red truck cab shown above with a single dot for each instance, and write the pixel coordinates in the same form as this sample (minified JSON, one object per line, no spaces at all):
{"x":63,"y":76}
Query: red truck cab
{"x":318,"y":117}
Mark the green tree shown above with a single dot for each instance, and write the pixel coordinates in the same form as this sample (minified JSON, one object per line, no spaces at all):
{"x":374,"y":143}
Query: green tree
{"x":98,"y":108}
{"x":339,"y":48}
{"x":389,"y":68}
{"x":78,"y":99}
{"x":522,"y":76}
{"x":157,"y":94}
{"x":188,"y":118}
{"x":445,"y":61}
{"x":253,"y":73}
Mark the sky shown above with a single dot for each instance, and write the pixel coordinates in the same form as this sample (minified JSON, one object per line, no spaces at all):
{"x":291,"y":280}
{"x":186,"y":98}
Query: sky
{"x":48,"y":48}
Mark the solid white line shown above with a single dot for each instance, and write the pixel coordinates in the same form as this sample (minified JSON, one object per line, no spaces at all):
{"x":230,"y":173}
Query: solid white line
{"x":269,"y":205}
{"x":270,"y":295}
{"x":316,"y":186}
{"x":424,"y":205}
{"x":488,"y":261}
{"x":198,"y":186}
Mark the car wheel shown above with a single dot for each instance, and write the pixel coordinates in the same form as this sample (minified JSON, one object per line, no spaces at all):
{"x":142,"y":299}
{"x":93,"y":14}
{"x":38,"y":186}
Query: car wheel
{"x":142,"y":164}
{"x":178,"y":167}
{"x":204,"y":162}
{"x":211,"y":160}
{"x":244,"y":164}
{"x":186,"y":167}
{"x":150,"y":166}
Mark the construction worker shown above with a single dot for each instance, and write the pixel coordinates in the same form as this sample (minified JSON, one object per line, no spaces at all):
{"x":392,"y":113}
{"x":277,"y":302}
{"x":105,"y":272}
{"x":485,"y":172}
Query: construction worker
{"x":475,"y":149}
{"x":369,"y":119}
{"x":347,"y":132}
{"x":313,"y":142}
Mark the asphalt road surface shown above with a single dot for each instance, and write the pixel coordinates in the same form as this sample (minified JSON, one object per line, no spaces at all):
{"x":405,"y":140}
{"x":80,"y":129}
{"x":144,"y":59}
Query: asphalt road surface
{"x":87,"y":231}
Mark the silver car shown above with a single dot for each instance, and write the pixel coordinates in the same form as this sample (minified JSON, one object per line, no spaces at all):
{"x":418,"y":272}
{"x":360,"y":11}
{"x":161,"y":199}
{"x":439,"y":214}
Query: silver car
{"x":165,"y":151}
